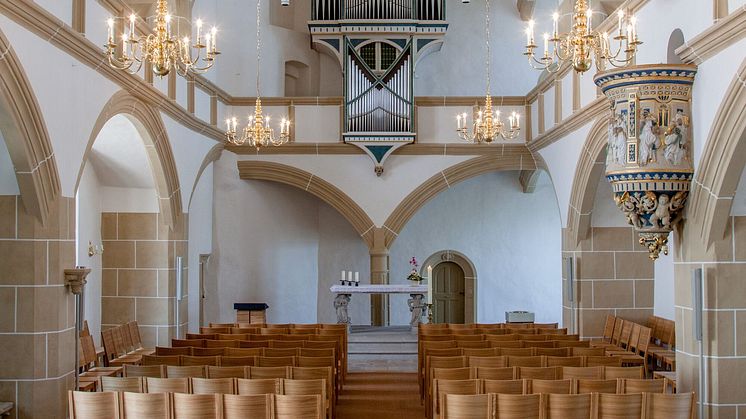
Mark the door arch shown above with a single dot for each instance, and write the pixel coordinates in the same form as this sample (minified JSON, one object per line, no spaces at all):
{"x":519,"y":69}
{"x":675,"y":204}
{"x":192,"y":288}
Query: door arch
{"x":470,"y":278}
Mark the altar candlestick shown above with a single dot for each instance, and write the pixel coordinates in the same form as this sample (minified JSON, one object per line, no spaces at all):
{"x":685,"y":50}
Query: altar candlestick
{"x":343,"y":276}
{"x":357,"y":276}
{"x":349,"y":276}
{"x":429,"y":284}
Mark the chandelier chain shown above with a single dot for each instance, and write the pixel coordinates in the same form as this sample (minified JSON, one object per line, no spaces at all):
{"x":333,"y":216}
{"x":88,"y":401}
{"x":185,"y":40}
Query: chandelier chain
{"x":258,"y":45}
{"x":487,"y":37}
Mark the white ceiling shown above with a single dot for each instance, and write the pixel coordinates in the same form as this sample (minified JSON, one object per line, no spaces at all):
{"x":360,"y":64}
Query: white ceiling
{"x":119,"y":157}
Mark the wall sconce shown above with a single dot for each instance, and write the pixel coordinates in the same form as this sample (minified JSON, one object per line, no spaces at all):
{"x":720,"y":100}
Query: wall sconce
{"x":94,"y":250}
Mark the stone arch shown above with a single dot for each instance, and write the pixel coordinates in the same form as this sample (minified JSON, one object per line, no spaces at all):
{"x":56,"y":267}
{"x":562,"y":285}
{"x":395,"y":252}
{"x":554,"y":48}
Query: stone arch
{"x":591,"y":165}
{"x":153,"y":133}
{"x":470,"y":277}
{"x":277,"y":172}
{"x":723,"y":159}
{"x":26,"y":137}
{"x":521,"y":160}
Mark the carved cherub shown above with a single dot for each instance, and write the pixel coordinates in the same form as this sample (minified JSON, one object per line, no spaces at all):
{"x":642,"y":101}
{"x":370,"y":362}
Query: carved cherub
{"x":662,"y":215}
{"x":628,"y":205}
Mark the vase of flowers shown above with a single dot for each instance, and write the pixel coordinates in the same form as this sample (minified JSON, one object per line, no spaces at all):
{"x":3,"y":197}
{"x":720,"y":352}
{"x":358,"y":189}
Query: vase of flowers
{"x":414,"y":275}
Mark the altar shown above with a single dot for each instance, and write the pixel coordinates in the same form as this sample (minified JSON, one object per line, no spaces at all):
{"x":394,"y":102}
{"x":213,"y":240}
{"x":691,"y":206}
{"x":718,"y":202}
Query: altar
{"x":416,"y":303}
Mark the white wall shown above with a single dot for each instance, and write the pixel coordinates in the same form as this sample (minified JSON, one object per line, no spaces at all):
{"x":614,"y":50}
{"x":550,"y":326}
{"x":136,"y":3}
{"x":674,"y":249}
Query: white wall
{"x":200,"y":240}
{"x":88,"y":225}
{"x":513,"y":239}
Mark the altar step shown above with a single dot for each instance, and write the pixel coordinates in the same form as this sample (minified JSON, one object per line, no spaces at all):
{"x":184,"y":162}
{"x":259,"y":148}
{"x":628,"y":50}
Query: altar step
{"x":392,"y":348}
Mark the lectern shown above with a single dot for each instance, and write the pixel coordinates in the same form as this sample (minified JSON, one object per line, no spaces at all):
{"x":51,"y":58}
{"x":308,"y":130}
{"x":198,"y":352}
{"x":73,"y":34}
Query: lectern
{"x":251,"y":312}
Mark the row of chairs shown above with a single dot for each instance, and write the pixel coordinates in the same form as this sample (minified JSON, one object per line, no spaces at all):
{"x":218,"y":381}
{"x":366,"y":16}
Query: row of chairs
{"x":490,"y":326}
{"x":662,"y":348}
{"x":626,"y":337}
{"x":569,"y":406}
{"x":515,"y":351}
{"x":224,"y":385}
{"x":113,"y":405}
{"x":242,"y":361}
{"x":524,"y":386}
{"x":493,"y":332}
{"x":191,"y":351}
{"x":123,"y":344}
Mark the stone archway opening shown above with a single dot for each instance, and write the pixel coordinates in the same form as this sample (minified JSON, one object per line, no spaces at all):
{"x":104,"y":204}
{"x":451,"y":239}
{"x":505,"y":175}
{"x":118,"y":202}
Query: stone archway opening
{"x":470,"y":278}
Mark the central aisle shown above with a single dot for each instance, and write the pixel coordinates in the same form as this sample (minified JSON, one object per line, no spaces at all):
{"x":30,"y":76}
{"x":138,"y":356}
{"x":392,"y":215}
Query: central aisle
{"x":380,"y":395}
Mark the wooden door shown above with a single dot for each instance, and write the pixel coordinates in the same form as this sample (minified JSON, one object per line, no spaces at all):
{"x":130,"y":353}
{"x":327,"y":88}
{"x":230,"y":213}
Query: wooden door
{"x":448,"y":293}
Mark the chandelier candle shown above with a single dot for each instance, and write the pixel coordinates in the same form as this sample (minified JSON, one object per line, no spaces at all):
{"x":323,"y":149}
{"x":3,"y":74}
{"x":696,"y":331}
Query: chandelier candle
{"x":429,"y":284}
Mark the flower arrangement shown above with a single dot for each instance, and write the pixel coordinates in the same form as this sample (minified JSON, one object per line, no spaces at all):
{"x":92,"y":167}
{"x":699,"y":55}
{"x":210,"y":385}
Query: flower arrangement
{"x":414,"y":275}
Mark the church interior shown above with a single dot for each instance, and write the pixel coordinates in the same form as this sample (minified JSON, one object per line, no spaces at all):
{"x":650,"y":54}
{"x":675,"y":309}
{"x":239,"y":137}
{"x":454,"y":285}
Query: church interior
{"x":415,"y":209}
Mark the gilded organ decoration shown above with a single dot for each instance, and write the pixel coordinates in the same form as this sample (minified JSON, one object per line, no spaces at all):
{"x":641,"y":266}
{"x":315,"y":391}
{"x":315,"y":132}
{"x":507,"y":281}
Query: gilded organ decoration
{"x":648,"y":161}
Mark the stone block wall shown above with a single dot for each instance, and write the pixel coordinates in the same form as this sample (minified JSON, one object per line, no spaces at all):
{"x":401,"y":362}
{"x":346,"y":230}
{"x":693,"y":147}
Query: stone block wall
{"x":613,"y":276}
{"x":724,"y":321}
{"x":139,"y":275}
{"x":37,"y":312}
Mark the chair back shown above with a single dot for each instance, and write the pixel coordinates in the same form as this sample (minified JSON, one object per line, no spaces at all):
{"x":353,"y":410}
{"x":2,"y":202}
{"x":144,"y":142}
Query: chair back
{"x":298,"y":407}
{"x":526,"y":361}
{"x":155,"y":371}
{"x":237,"y":361}
{"x":284,"y":361}
{"x":208,"y":351}
{"x":593,"y":373}
{"x":174,"y":360}
{"x":167,"y":385}
{"x":227,"y":372}
{"x":618,"y":406}
{"x":86,"y":405}
{"x":280,"y":352}
{"x":587,"y":351}
{"x":564,"y":406}
{"x":488,"y":361}
{"x":608,"y":327}
{"x":441,"y":387}
{"x":553,"y":351}
{"x":200,"y":360}
{"x":130,"y":384}
{"x":243,"y":351}
{"x":517,"y":351}
{"x":624,"y":372}
{"x":585,"y":385}
{"x":472,"y":406}
{"x":605,"y":361}
{"x":221,"y":344}
{"x":195,"y":406}
{"x":505,"y":386}
{"x":660,"y":406}
{"x":180,"y":343}
{"x":257,"y":406}
{"x":268,"y":372}
{"x":464,"y":373}
{"x":213,"y":386}
{"x":488,"y":373}
{"x":565,"y":361}
{"x":145,"y":405}
{"x":191,"y":371}
{"x":551,"y":386}
{"x":510,"y":406}
{"x":259,"y":386}
{"x":181,"y":350}
{"x":539,"y":373}
{"x":641,"y":385}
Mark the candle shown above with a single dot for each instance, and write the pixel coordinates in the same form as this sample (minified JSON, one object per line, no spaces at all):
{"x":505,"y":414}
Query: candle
{"x":132,"y":25}
{"x":633,"y":21}
{"x":349,"y":276}
{"x":555,"y":18}
{"x":168,"y":25}
{"x":207,"y":41}
{"x":620,"y":18}
{"x":429,"y":284}
{"x":629,"y":33}
{"x":110,"y":22}
{"x":590,"y":20}
{"x":517,"y":120}
{"x":357,"y":277}
{"x":214,"y":39}
{"x":458,"y":121}
{"x":528,"y":37}
{"x":546,"y":45}
{"x":343,"y":276}
{"x":199,"y":31}
{"x":531,"y":31}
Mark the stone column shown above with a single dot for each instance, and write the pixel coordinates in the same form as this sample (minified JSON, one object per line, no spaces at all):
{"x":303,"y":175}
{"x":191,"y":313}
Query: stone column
{"x":379,"y":274}
{"x":37,"y":317}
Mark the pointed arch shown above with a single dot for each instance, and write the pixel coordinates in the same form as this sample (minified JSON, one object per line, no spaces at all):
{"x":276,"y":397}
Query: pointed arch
{"x":520,"y":159}
{"x":723,"y":160}
{"x":588,"y":171}
{"x":289,"y":175}
{"x":26,"y":136}
{"x":153,"y":133}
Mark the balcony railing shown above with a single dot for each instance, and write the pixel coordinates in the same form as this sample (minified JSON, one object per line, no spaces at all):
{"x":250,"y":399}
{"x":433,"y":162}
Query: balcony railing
{"x":378,"y":9}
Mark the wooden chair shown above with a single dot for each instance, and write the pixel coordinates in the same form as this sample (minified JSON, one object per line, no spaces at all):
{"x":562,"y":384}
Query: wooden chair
{"x":257,"y":406}
{"x":551,"y":386}
{"x":540,"y":373}
{"x":155,"y":371}
{"x":182,"y":350}
{"x":191,"y":371}
{"x":532,"y":338}
{"x":309,"y":387}
{"x":195,"y":406}
{"x":487,"y":373}
{"x":200,"y":360}
{"x":567,"y":406}
{"x":253,"y":344}
{"x":517,"y":351}
{"x":611,"y":373}
{"x":618,"y":406}
{"x":526,"y":361}
{"x":488,"y":361}
{"x":213,"y":386}
{"x":263,"y":361}
{"x":465,"y":373}
{"x":298,"y":407}
{"x":237,"y":361}
{"x":243,"y":352}
{"x":432,"y":362}
{"x":215,"y":330}
{"x":259,"y":386}
{"x":572,"y":343}
{"x":281,"y":352}
{"x":195,"y":343}
{"x":89,"y":360}
{"x":563,"y":352}
{"x":473,"y":343}
{"x":605,"y":361}
{"x":223,"y":325}
{"x":635,"y":385}
{"x":608,"y":330}
{"x":88,"y":405}
{"x":511,"y":406}
{"x":287,"y":344}
{"x":315,"y":353}
{"x":268,"y":372}
{"x":227,"y":372}
{"x":221,"y":344}
{"x":483,"y":352}
{"x":587,"y":351}
{"x":131,"y":384}
{"x":460,"y":406}
{"x":584,"y":385}
{"x":505,"y":386}
{"x":145,"y":405}
{"x":166,"y":385}
{"x":666,"y":406}
{"x":565,"y":361}
{"x":441,"y":387}
{"x":173,"y":360}
{"x":312,"y":373}
{"x":505,"y":344}
{"x":592,"y":373}
{"x":546,"y":344}
{"x":201,"y":336}
{"x":232,"y":336}
{"x":209,"y":351}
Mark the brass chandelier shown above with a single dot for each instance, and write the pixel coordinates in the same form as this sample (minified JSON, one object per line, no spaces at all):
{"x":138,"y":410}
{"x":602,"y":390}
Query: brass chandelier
{"x":258,"y":132}
{"x":581,"y":46}
{"x":488,"y":125}
{"x":163,"y":48}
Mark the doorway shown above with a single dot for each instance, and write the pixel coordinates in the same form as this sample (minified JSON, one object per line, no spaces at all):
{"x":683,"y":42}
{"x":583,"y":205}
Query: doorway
{"x":448,"y":293}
